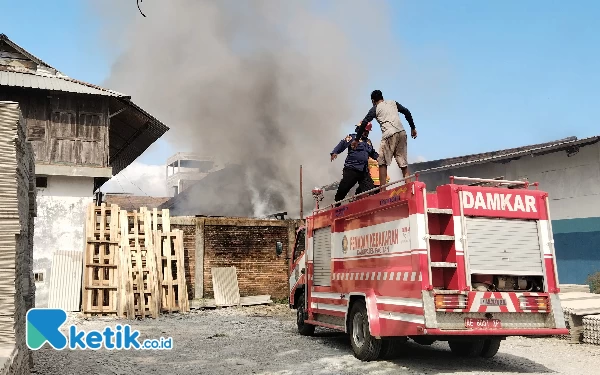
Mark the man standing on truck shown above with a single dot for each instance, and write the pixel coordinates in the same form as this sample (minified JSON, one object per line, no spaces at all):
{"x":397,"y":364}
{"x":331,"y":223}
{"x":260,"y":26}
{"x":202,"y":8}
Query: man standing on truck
{"x":393,"y":137}
{"x":356,"y":164}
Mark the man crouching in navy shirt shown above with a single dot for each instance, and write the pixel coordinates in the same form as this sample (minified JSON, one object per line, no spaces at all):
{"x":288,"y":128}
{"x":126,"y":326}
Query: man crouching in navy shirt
{"x":356,"y":164}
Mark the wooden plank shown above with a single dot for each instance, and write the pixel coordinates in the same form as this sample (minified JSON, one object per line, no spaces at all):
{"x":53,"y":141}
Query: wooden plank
{"x":181,"y":282}
{"x":168,"y":251}
{"x":154,"y":219}
{"x":114,"y":251}
{"x":102,"y":293}
{"x":139,"y":281}
{"x":158,"y":242}
{"x":225,"y":286}
{"x":166,"y":222}
{"x":126,"y":292}
{"x":92,"y":240}
{"x":153,"y":284}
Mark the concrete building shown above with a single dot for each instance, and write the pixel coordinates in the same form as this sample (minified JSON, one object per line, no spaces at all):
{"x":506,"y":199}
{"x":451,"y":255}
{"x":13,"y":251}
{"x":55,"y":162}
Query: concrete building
{"x":82,"y":135}
{"x":185,"y":169}
{"x":568,"y":169}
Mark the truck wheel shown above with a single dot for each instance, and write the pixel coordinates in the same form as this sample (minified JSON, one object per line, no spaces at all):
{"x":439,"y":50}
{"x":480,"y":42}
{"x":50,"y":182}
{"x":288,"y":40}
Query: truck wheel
{"x":467,"y":348}
{"x":390,"y":348}
{"x":490,"y":348}
{"x":304,"y":328}
{"x":365,"y":347}
{"x":423,"y":340}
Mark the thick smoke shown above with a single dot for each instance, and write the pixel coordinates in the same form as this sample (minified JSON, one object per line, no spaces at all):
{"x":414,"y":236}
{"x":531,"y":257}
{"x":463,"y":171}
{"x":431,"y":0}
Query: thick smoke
{"x":265,"y":84}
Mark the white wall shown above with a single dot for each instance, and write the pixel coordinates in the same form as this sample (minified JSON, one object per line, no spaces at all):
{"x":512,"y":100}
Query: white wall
{"x":573,"y":183}
{"x":59,"y":225}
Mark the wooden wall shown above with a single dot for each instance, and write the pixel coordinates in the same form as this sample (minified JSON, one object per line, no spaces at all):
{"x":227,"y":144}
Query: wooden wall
{"x":64,"y":129}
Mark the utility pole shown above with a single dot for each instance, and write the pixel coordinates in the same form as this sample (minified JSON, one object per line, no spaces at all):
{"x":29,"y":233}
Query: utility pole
{"x":301,"y":201}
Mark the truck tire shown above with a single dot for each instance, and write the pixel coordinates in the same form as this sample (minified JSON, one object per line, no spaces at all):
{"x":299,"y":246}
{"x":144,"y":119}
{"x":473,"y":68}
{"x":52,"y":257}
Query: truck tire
{"x":391,"y":347}
{"x":468,"y":349}
{"x":304,"y":328}
{"x":490,"y":348}
{"x":365,"y":347}
{"x":423,"y":340}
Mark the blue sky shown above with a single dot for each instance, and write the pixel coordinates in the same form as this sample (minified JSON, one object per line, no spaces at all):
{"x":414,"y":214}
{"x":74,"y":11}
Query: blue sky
{"x":477,"y":75}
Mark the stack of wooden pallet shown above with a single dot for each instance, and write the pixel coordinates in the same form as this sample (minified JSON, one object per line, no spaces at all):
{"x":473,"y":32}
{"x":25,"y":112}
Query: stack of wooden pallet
{"x":17,"y":211}
{"x":134,"y":265}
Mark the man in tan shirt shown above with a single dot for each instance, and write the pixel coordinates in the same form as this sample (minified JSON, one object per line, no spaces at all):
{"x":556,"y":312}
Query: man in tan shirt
{"x":393,"y":137}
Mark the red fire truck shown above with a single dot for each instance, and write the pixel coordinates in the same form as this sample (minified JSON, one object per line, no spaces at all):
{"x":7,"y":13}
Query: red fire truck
{"x":467,"y":264}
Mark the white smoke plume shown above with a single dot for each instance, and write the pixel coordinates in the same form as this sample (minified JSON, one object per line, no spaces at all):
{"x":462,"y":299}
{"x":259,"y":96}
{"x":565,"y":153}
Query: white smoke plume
{"x":267,"y":84}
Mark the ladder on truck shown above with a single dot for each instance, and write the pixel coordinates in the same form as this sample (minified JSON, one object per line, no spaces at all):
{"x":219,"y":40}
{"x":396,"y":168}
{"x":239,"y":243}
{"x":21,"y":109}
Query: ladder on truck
{"x":444,"y":241}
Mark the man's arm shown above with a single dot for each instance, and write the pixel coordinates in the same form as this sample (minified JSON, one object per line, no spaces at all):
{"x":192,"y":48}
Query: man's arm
{"x":371,"y":150}
{"x":368,"y":118}
{"x":341,"y":146}
{"x":406,"y":114}
{"x":373,"y":154}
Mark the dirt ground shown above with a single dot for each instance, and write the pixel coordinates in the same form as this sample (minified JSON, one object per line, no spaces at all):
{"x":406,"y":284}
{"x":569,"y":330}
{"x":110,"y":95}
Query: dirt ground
{"x":263,"y":340}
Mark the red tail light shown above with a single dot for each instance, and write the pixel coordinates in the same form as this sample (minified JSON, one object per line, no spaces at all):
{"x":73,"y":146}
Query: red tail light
{"x":451,"y":301}
{"x":536,"y":303}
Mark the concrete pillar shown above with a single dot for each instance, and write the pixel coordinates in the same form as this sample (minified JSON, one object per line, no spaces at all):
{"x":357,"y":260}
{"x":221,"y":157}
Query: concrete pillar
{"x":199,"y":276}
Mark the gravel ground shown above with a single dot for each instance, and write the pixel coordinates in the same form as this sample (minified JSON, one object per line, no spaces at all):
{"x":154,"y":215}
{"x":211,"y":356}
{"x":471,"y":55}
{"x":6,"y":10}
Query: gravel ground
{"x":263,"y":340}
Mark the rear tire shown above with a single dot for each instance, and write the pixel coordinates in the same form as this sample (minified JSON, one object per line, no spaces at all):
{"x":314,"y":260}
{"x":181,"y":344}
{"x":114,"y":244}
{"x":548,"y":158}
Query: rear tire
{"x":304,"y":328}
{"x":423,"y":340}
{"x":490,"y":348}
{"x":365,"y":347}
{"x":390,"y":348}
{"x":468,"y":349}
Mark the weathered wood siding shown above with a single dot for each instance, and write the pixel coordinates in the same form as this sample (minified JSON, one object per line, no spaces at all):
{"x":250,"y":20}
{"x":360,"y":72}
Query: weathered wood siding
{"x":66,"y":129}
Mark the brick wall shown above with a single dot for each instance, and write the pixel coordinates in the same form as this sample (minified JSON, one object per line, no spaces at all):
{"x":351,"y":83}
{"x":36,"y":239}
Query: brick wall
{"x":188,"y":226}
{"x":247,"y":244}
{"x":251,"y":249}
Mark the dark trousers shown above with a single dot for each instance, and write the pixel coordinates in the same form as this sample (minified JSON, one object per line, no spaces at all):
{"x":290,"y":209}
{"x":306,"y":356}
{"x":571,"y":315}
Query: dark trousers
{"x":350,"y":177}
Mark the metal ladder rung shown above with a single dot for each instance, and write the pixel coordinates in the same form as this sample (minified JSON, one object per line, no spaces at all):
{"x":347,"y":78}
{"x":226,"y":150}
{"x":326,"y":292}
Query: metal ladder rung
{"x":446,"y":211}
{"x":441,"y":237}
{"x":443,"y":265}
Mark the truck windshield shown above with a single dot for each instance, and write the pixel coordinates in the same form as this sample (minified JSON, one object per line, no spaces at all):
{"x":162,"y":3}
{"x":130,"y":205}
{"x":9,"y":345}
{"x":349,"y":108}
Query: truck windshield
{"x":300,"y":244}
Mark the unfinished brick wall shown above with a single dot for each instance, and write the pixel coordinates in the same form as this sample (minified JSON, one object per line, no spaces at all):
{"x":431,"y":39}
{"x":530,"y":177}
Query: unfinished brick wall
{"x":251,"y":249}
{"x":188,"y":226}
{"x":247,"y":244}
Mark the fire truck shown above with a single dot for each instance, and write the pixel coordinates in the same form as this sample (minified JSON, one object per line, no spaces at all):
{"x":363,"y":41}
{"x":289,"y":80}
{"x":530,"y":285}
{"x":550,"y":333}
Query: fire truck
{"x":469,"y":264}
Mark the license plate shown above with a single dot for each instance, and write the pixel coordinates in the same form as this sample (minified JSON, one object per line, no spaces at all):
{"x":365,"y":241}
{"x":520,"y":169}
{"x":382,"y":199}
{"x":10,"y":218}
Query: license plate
{"x":482,"y":323}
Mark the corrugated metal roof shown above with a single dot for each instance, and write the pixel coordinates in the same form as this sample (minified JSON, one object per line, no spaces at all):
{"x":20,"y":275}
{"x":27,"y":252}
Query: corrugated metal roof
{"x":24,"y":52}
{"x":513,"y":153}
{"x":485,"y":155}
{"x":52,"y":83}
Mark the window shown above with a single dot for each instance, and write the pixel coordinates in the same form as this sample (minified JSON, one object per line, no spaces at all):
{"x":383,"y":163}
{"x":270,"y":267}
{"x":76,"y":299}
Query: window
{"x":41,"y":182}
{"x":38,"y":276}
{"x":300,"y":244}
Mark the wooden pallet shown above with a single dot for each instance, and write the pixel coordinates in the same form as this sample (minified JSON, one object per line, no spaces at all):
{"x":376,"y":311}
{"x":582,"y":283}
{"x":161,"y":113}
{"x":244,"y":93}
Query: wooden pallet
{"x":171,"y":272}
{"x":123,"y":266}
{"x":139,"y":275}
{"x":101,"y":260}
